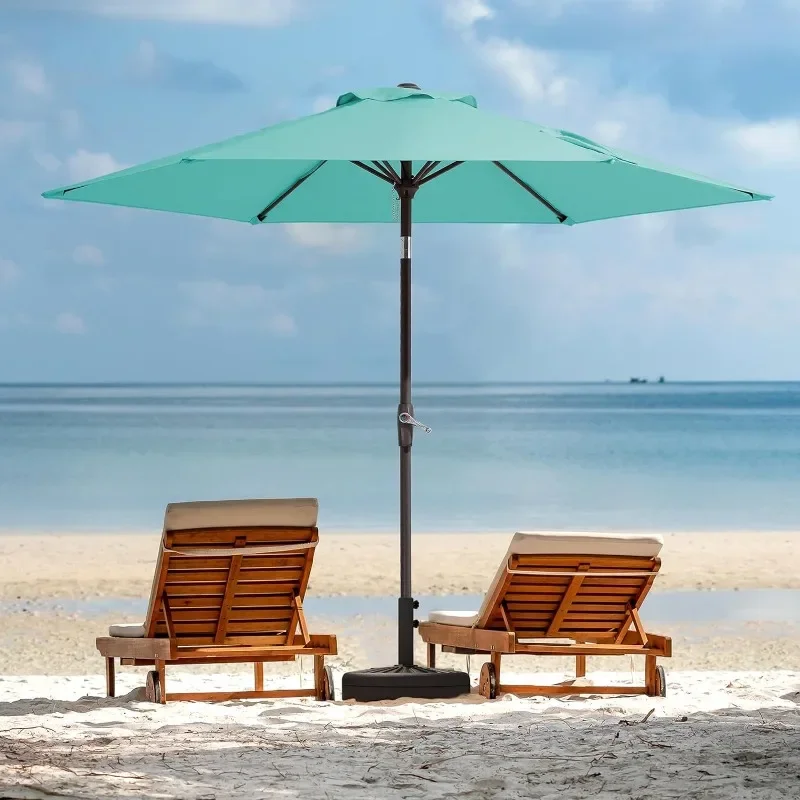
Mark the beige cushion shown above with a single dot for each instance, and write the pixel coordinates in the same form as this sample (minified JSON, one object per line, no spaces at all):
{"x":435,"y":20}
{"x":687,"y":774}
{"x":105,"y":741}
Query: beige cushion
{"x":291,"y":513}
{"x":465,"y":618}
{"x":127,"y":631}
{"x":559,"y":543}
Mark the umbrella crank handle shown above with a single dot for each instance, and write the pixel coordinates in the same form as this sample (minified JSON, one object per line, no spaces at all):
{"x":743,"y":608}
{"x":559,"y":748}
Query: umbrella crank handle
{"x":407,"y":419}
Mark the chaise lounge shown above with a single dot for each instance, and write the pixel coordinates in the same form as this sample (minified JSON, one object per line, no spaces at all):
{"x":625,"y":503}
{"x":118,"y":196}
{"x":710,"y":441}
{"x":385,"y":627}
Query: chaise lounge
{"x":229,"y":585}
{"x":557,"y":594}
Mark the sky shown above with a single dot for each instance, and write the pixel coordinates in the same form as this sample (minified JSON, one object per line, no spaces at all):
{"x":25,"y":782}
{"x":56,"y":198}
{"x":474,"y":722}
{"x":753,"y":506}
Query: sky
{"x":92,"y":293}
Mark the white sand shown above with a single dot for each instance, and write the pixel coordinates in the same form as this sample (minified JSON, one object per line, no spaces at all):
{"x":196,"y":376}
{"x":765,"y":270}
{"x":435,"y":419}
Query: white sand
{"x":717,"y":735}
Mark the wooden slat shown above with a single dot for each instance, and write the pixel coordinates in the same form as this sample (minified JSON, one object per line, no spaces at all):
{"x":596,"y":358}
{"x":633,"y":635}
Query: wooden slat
{"x":622,"y":562}
{"x":251,"y":561}
{"x":568,"y":689}
{"x":254,"y":575}
{"x":227,"y":536}
{"x":196,"y":590}
{"x":177,"y":602}
{"x":218,"y":589}
{"x":188,"y":629}
{"x":261,"y":626}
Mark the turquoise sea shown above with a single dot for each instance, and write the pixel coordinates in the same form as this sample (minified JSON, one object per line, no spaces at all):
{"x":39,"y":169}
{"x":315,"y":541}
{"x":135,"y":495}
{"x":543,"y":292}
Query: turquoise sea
{"x":500,"y":457}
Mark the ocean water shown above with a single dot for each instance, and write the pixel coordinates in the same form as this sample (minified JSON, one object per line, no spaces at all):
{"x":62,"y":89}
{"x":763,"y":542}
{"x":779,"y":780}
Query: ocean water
{"x":594,"y":456}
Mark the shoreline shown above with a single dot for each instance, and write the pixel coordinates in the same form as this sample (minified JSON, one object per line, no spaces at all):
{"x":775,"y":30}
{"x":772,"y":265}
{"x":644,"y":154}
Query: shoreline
{"x":80,"y":565}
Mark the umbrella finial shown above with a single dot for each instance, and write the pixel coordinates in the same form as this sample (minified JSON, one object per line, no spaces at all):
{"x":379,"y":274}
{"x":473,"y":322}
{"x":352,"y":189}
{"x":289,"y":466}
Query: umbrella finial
{"x":408,"y":86}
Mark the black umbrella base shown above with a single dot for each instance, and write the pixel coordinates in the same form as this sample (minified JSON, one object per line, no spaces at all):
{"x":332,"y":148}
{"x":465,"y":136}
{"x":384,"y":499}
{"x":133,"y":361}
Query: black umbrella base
{"x":392,"y":683}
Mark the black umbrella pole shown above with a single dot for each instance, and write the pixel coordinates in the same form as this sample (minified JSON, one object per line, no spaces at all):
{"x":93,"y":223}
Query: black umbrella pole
{"x":405,"y":432}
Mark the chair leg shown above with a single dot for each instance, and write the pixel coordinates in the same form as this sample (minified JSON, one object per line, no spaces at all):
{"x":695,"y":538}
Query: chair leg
{"x":110,"y":678}
{"x":258,"y":674}
{"x":496,"y":663}
{"x":431,"y":655}
{"x":161,"y":668}
{"x":580,"y":666}
{"x":319,"y":677}
{"x":650,"y":675}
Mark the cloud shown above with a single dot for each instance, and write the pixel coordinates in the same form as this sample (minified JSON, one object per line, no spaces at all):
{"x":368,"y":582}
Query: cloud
{"x":9,"y":272}
{"x":28,"y":77}
{"x":465,"y":13}
{"x":47,"y":161}
{"x":262,"y":13}
{"x":323,"y":103}
{"x":70,"y":122}
{"x":84,"y":165}
{"x":16,"y":131}
{"x":215,"y":303}
{"x":772,"y":143}
{"x":153,"y":66}
{"x":334,"y":238}
{"x":69,"y":323}
{"x":88,"y":255}
{"x":534,"y":74}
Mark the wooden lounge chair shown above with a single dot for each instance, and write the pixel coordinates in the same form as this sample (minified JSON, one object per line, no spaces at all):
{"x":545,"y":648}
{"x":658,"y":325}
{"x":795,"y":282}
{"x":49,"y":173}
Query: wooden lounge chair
{"x":575,"y":594}
{"x":228,"y":587}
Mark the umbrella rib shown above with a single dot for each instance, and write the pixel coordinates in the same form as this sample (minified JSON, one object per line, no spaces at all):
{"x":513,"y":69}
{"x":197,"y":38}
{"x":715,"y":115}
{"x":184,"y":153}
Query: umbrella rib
{"x":427,"y":167}
{"x":281,"y":197}
{"x":530,"y":190}
{"x":431,"y":175}
{"x":378,"y":174}
{"x":390,"y":169}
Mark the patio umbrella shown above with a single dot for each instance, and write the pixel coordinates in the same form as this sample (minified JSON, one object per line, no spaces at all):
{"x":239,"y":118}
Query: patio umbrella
{"x":378,"y":149}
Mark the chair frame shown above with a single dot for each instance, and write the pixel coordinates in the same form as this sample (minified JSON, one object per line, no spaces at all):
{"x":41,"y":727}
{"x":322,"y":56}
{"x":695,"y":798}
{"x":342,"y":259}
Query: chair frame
{"x":557,"y":600}
{"x":171,"y":616}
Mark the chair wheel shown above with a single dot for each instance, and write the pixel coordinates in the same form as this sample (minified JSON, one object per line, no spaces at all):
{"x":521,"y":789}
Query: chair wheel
{"x":328,"y":689}
{"x":152,"y":687}
{"x":661,"y":682}
{"x":487,"y":685}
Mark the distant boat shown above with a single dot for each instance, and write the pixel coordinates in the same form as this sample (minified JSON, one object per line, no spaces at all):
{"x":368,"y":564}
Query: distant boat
{"x":638,"y":380}
{"x":661,"y":379}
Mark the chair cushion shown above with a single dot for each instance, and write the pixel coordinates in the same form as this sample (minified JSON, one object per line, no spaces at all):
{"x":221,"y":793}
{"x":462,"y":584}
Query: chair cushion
{"x":465,"y":618}
{"x":127,"y":631}
{"x":567,"y":543}
{"x":292,"y":513}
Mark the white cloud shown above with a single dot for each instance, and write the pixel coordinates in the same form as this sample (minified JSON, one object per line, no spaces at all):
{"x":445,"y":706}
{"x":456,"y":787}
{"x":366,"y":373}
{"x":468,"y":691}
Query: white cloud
{"x":70,"y":122}
{"x":84,"y":165}
{"x":88,"y":255}
{"x":465,"y":13}
{"x":9,"y":272}
{"x":69,"y":323}
{"x":334,"y":238}
{"x":264,"y":13}
{"x":323,"y":103}
{"x":47,"y":161}
{"x":15,"y":131}
{"x":215,"y":303}
{"x":534,"y":74}
{"x":29,"y":77}
{"x":772,"y":143}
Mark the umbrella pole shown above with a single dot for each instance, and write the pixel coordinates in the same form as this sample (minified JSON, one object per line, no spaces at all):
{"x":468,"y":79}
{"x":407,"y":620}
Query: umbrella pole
{"x":405,"y":432}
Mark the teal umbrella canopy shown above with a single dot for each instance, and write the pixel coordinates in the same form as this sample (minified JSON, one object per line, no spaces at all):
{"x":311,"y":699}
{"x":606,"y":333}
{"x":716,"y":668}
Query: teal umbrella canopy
{"x":335,"y":167}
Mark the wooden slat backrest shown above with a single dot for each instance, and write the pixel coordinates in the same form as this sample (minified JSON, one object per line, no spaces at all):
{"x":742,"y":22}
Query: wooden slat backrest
{"x":583,"y":597}
{"x":218,"y":596}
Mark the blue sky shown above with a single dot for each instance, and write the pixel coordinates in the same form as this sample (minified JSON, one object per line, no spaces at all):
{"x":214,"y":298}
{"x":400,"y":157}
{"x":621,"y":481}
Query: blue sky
{"x":99,"y":294}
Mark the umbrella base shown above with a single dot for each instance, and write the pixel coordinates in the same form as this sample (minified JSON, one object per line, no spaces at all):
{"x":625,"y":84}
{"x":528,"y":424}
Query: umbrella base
{"x":392,"y":683}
